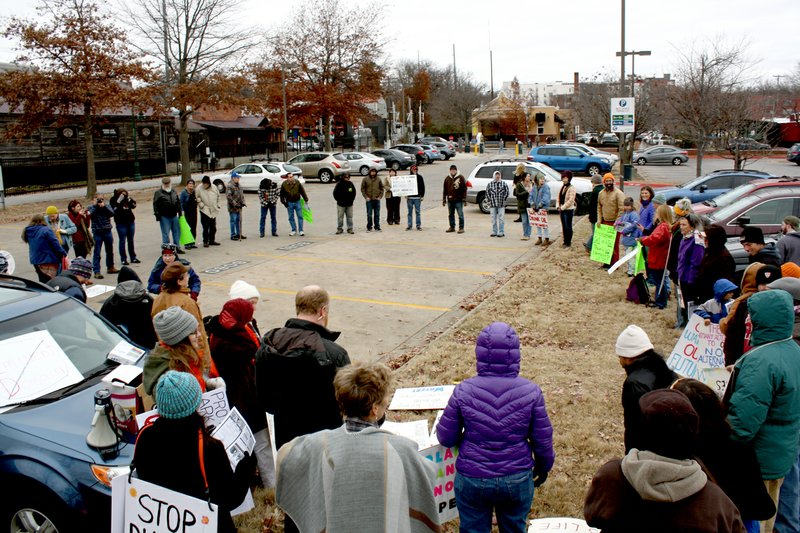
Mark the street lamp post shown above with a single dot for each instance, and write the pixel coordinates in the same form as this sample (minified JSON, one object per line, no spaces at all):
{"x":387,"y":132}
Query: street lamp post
{"x":137,"y":176}
{"x":285,"y":120}
{"x":626,"y":155}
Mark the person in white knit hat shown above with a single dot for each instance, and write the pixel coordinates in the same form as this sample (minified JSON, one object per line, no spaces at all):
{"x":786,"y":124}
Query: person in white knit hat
{"x":245,"y":291}
{"x":646,"y":371}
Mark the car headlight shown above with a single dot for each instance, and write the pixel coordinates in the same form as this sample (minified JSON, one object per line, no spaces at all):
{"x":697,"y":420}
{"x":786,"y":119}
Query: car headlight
{"x":104,"y":474}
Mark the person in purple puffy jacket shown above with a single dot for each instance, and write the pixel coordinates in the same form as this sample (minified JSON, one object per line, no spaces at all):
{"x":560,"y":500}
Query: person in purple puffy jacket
{"x":500,"y":424}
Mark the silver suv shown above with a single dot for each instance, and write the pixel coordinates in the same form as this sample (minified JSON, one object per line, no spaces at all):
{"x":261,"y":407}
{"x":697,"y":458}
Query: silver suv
{"x":327,"y":166}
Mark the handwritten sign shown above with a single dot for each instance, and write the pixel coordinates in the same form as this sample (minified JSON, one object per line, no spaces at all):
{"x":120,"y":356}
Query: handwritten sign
{"x":538,"y":218}
{"x":214,"y":407}
{"x":605,"y":237}
{"x":444,"y":489}
{"x":33,"y":365}
{"x":420,"y":398}
{"x":97,"y":290}
{"x":404,"y":185}
{"x":699,"y":355}
{"x":573,"y":525}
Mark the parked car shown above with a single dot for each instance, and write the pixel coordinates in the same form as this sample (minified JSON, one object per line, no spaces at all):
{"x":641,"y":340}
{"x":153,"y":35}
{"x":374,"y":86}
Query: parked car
{"x":609,"y":139}
{"x":327,"y":166}
{"x":431,"y":153}
{"x":569,"y":158}
{"x":793,"y":154}
{"x":54,"y":481}
{"x":591,"y":150}
{"x":395,"y":159}
{"x":660,"y":154}
{"x":413,"y":149}
{"x":251,"y":174}
{"x":724,"y":199}
{"x":747,"y":143}
{"x":739,"y":254}
{"x":586,"y":138}
{"x":446,"y":149}
{"x":711,"y":185}
{"x":765,"y":207}
{"x":361,"y":162}
{"x":481,"y":175}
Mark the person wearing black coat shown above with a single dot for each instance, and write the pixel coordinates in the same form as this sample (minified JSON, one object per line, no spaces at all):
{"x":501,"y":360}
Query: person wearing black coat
{"x":345,"y":194}
{"x":717,"y":263}
{"x":130,"y":309}
{"x":414,"y":203}
{"x":124,"y":219}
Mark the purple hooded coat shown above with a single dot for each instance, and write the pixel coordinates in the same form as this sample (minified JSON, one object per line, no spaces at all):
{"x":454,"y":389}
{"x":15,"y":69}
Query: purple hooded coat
{"x":498,"y":418}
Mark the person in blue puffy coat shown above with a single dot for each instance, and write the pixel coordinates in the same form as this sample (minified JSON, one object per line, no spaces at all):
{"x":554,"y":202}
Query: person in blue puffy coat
{"x":500,"y":424}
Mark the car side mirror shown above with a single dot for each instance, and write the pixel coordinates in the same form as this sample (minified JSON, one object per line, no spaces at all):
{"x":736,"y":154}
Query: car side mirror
{"x":703,"y":188}
{"x":743,"y":221}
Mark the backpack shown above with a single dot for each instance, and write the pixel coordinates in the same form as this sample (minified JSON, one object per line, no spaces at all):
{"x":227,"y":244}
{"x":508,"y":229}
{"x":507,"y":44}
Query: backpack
{"x":637,"y":291}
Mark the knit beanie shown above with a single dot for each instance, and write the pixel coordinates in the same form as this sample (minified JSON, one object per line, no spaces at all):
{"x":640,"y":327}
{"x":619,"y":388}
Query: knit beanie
{"x":670,"y":424}
{"x":633,"y":342}
{"x":790,"y":285}
{"x":659,"y":199}
{"x":173,"y":324}
{"x":81,"y":267}
{"x":242,"y":289}
{"x":683,"y":207}
{"x":236,"y":313}
{"x":767,"y":274}
{"x":126,"y":273}
{"x":608,"y":176}
{"x":790,"y":270}
{"x":178,"y":394}
{"x":173,"y":272}
{"x":51,"y":210}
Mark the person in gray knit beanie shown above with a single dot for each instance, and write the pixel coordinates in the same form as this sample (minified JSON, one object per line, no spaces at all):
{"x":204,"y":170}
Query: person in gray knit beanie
{"x":173,"y":324}
{"x":178,"y":394}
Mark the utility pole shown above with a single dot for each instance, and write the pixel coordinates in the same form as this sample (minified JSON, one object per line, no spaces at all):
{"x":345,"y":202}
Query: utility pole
{"x":455,"y":77}
{"x":623,"y":153}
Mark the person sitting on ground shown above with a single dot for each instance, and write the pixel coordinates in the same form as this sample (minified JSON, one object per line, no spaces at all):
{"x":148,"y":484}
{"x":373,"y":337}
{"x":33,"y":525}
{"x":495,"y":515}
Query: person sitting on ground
{"x":177,"y":452}
{"x":72,"y":280}
{"x":358,"y":477}
{"x":500,"y":424}
{"x":660,"y":487}
{"x":733,"y":465}
{"x":752,"y":240}
{"x":715,"y":309}
{"x":646,"y":370}
{"x":169,"y":255}
{"x":130,"y":309}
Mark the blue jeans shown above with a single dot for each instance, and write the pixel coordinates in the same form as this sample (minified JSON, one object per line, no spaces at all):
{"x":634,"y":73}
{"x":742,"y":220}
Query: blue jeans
{"x":269,"y":208}
{"x":526,"y":223}
{"x":509,"y":496}
{"x":788,"y":520}
{"x":170,"y":224}
{"x":453,"y":207}
{"x":101,"y":238}
{"x":655,"y":276}
{"x":414,"y":203}
{"x":588,"y":244}
{"x":373,"y":214}
{"x":498,"y":220}
{"x":236,"y":223}
{"x":295,"y":210}
{"x":566,"y":216}
{"x":125,"y":232}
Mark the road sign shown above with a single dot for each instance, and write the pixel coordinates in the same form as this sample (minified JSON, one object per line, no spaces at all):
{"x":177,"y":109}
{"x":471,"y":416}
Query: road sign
{"x":622,"y":115}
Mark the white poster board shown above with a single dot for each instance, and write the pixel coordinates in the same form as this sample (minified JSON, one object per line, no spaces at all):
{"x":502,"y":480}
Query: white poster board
{"x":444,"y":488}
{"x":416,"y":430}
{"x":214,"y":407}
{"x":571,"y":525}
{"x":538,"y":218}
{"x":97,"y":290}
{"x":699,"y":355}
{"x":421,"y":398}
{"x":33,"y":365}
{"x":404,"y":185}
{"x":235,"y":435}
{"x":125,"y":353}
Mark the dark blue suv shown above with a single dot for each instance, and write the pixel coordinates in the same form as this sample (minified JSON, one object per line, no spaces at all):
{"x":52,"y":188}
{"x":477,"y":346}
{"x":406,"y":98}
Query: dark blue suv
{"x":560,"y":158}
{"x":53,"y":481}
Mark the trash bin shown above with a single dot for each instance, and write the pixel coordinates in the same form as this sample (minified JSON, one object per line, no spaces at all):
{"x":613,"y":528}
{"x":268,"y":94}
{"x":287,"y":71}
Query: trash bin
{"x":480,"y":148}
{"x":627,"y":172}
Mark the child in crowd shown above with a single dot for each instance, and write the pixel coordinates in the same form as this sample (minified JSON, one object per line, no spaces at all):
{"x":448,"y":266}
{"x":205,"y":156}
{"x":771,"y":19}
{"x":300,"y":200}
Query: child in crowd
{"x":628,"y":225}
{"x":716,"y":308}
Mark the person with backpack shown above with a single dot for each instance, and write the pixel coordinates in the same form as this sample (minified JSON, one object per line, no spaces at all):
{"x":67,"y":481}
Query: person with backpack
{"x":657,"y":243}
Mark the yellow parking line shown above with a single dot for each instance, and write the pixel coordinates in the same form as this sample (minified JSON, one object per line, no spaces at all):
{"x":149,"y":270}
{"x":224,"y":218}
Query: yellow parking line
{"x":379,"y":265}
{"x":345,"y":298}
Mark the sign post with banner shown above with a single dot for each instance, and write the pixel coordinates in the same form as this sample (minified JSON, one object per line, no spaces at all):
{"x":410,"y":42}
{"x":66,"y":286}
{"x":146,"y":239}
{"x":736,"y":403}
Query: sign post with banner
{"x":623,"y":115}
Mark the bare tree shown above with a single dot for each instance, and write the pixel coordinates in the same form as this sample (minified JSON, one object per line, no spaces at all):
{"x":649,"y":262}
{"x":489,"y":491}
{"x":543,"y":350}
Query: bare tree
{"x":709,"y":76}
{"x":196,"y":43}
{"x":332,"y":59}
{"x":452,"y":106}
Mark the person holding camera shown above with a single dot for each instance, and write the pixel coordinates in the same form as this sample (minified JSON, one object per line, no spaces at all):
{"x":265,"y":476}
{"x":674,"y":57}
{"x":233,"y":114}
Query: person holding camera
{"x":101,"y":215}
{"x":124,"y":218}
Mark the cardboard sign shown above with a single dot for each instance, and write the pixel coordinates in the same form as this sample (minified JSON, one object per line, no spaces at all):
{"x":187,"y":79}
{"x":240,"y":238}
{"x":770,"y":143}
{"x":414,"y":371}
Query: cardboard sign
{"x":214,"y":407}
{"x":605,"y":237}
{"x":97,"y":290}
{"x":404,"y":185}
{"x":538,"y":218}
{"x":572,"y":525}
{"x":416,"y":430}
{"x":421,"y":398}
{"x":150,"y":508}
{"x":444,"y":489}
{"x":699,"y":355}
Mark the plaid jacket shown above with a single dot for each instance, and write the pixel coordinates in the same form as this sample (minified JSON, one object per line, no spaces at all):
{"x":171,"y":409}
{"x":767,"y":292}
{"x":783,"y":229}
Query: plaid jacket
{"x":497,"y":192}
{"x":268,"y":192}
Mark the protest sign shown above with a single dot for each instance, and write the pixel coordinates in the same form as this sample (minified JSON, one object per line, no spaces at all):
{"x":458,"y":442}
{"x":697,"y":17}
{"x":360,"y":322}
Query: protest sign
{"x":308,"y":216}
{"x":622,"y":260}
{"x":419,"y":398}
{"x":444,"y":488}
{"x":404,"y":185}
{"x":699,"y":352}
{"x":150,"y":508}
{"x":572,"y":525}
{"x":538,"y":218}
{"x":125,"y":353}
{"x":641,"y":265}
{"x":416,"y":430}
{"x":214,"y":407}
{"x":235,"y":435}
{"x":605,"y":237}
{"x":97,"y":290}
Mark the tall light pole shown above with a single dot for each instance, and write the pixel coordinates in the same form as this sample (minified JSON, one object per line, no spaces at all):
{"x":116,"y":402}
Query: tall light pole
{"x":633,"y":54}
{"x":137,"y":175}
{"x":623,"y":160}
{"x":285,"y":120}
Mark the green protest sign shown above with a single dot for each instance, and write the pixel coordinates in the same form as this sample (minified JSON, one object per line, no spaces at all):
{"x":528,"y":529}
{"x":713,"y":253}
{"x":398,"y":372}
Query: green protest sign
{"x":308,"y":216}
{"x":640,"y":266}
{"x":603,"y":243}
{"x":186,"y":233}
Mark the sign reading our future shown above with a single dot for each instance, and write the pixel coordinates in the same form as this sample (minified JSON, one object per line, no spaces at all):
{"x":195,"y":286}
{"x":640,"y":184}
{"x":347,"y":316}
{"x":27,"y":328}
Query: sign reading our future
{"x":622,"y":115}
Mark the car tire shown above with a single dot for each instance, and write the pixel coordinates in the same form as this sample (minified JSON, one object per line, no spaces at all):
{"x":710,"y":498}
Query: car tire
{"x":483,"y":203}
{"x":426,"y":160}
{"x":395,"y":165}
{"x":447,"y":157}
{"x":593,"y":169}
{"x":364,"y":170}
{"x":641,"y":161}
{"x":325,"y":176}
{"x":220,"y":185}
{"x":36,"y":510}
{"x":677,"y":161}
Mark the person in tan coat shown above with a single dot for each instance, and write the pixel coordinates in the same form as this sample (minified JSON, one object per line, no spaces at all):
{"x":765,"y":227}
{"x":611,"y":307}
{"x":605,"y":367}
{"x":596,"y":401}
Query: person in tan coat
{"x":610,"y":204}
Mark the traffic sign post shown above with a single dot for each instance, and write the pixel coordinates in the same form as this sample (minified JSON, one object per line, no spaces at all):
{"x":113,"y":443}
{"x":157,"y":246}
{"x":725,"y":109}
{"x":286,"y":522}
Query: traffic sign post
{"x":623,"y":122}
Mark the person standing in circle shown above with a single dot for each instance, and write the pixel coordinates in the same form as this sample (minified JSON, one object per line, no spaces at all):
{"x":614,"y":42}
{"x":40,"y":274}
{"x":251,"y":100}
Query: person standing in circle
{"x":566,"y":206}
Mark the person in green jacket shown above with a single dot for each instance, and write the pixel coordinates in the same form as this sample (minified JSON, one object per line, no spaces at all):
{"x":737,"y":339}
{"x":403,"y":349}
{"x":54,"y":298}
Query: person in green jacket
{"x":766,"y":390}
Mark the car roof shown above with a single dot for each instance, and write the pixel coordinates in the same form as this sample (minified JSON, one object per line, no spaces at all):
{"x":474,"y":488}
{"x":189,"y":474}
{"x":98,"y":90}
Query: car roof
{"x":26,"y":295}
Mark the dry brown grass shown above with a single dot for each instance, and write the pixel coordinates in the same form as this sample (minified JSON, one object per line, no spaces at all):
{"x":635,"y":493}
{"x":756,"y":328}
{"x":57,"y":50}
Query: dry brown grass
{"x":568,"y":314}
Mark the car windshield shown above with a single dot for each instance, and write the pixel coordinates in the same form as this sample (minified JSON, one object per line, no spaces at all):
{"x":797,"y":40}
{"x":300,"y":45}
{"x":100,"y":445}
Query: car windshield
{"x":82,"y":335}
{"x":691,"y":183}
{"x":549,"y":172}
{"x":731,"y":196}
{"x":291,"y":168}
{"x":725,"y":212}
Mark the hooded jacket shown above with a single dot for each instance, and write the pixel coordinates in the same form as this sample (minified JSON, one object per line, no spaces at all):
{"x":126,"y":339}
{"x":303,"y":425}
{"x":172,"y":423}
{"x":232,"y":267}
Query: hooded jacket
{"x":43,"y":247}
{"x":497,"y":418}
{"x":648,"y":372}
{"x":789,"y":248}
{"x":182,"y":299}
{"x":67,"y":283}
{"x":658,"y":246}
{"x":734,"y":326}
{"x":154,"y":281}
{"x":717,"y":263}
{"x":130,"y":308}
{"x":768,"y":255}
{"x":649,"y":492}
{"x":344,"y":193}
{"x":540,"y":197}
{"x":295,"y":367}
{"x":766,"y":391}
{"x":690,"y":254}
{"x":715,"y":308}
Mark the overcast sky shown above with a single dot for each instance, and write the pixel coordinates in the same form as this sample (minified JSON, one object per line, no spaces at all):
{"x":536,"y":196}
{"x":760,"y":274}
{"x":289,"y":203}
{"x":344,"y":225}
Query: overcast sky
{"x":540,"y":41}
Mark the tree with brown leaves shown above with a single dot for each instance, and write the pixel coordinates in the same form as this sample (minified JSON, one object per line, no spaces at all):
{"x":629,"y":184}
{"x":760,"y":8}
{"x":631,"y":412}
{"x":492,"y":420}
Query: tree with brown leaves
{"x":76,"y":62}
